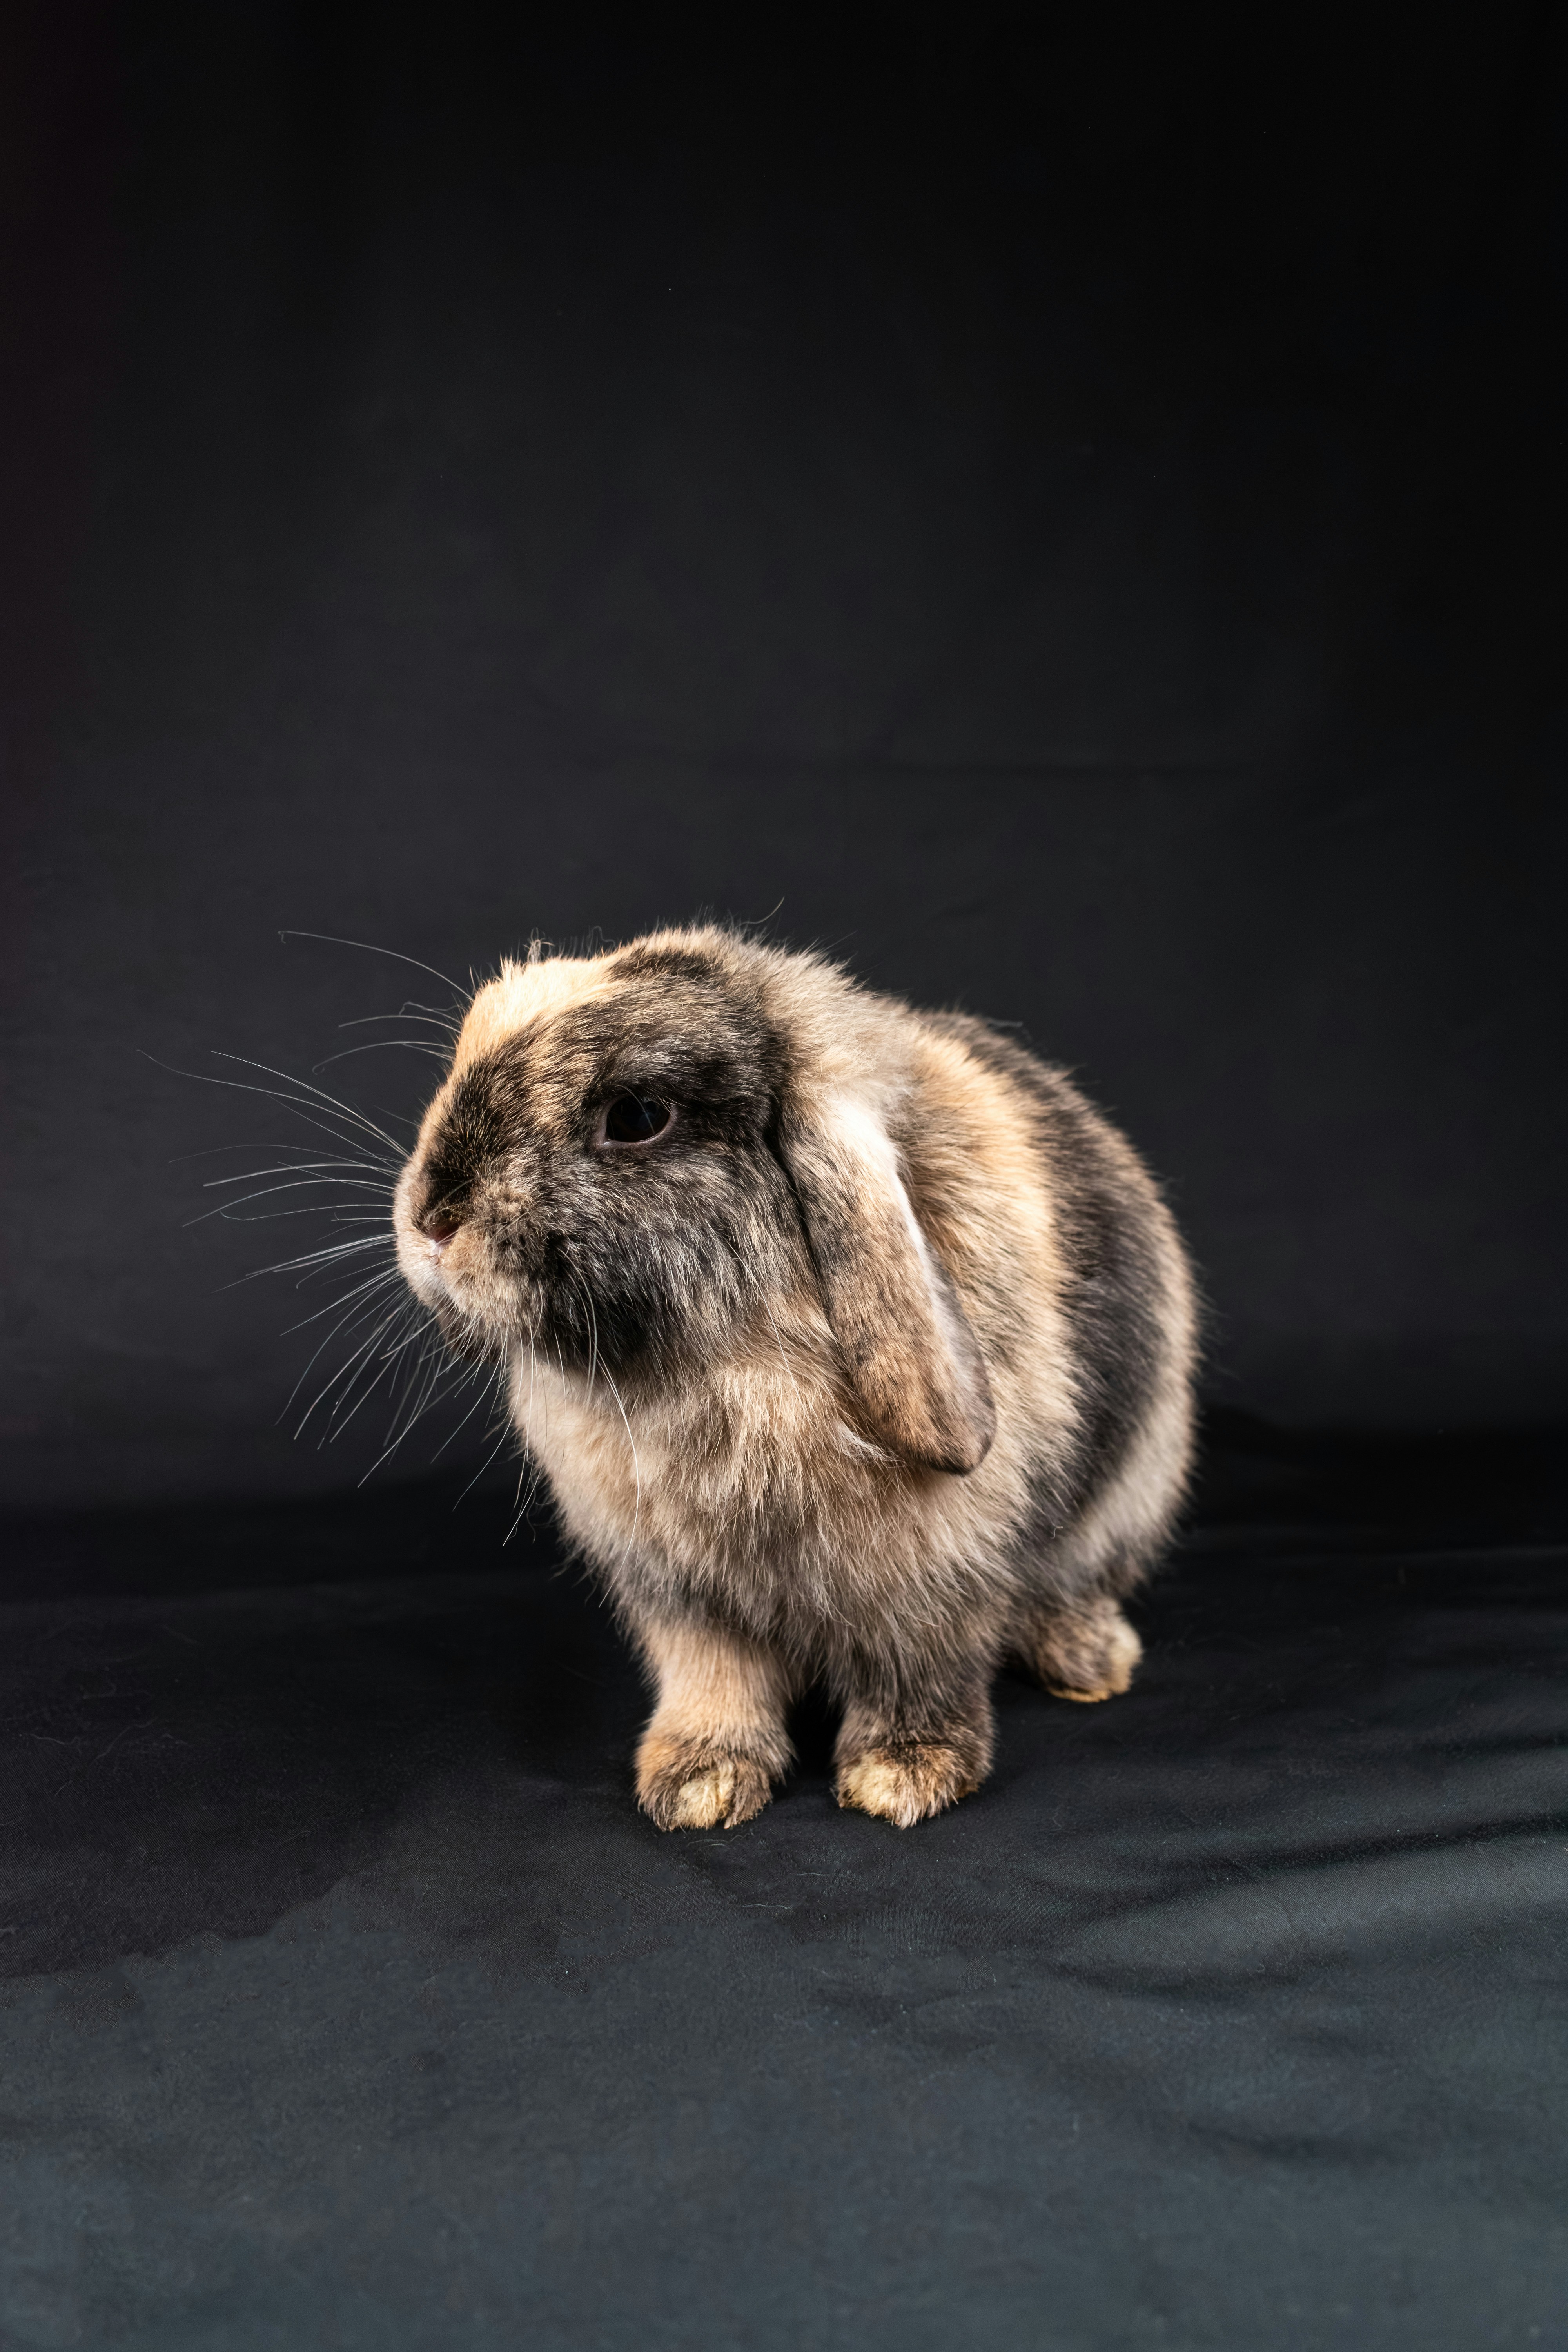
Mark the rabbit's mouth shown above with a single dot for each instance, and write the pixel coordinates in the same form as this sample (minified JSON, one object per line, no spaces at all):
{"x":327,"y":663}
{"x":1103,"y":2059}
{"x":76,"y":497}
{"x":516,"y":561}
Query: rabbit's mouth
{"x":481,"y":1309}
{"x":468,"y":1337}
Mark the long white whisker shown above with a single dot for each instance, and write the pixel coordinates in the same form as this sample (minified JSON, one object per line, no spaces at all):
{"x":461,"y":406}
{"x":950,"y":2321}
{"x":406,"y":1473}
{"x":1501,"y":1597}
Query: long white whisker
{"x":527,"y":1488}
{"x":349,"y":1319}
{"x":371,"y":1281}
{"x":370,"y":948}
{"x":343,"y":1413}
{"x":269,"y":1192}
{"x":315,"y":1261}
{"x":529,"y":1467}
{"x":361,"y":1196}
{"x":345,"y":1374}
{"x":380,"y":1044}
{"x":582,"y":1292}
{"x":344,"y":1110}
{"x":406,"y":1011}
{"x":338,"y":1218}
{"x":463,"y":1424}
{"x":375,"y":1161}
{"x":387,"y":1324}
{"x":421,"y":1382}
{"x":310,"y":1113}
{"x":368,"y":1172}
{"x":346,"y":1406}
{"x":636,"y":1466}
{"x":485,"y":1464}
{"x":426,"y":1393}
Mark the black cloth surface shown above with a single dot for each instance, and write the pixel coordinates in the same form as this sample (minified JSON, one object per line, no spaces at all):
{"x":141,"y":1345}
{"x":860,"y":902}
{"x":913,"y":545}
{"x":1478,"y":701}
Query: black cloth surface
{"x":349,"y":2001}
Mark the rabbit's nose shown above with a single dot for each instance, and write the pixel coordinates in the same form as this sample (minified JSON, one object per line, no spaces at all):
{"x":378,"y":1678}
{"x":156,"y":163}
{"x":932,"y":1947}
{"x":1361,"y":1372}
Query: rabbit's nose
{"x":437,"y":1226}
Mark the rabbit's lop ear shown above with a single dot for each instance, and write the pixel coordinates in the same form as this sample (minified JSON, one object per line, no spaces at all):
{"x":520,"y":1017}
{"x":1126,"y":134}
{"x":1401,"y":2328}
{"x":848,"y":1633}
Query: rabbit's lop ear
{"x":918,"y":1379}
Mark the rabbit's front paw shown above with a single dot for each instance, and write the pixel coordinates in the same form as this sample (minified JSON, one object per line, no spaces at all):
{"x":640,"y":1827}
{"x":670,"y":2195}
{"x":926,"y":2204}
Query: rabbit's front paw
{"x":682,"y":1786}
{"x":908,"y":1783}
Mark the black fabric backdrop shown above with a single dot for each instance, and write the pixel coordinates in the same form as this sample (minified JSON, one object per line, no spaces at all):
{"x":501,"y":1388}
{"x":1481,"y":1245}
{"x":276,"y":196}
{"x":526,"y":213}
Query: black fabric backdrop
{"x":1064,"y":506}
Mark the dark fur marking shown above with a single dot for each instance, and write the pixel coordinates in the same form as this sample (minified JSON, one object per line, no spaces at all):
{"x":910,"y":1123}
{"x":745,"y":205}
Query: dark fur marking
{"x":1113,"y":1264}
{"x":638,"y":962}
{"x":470,"y":1138}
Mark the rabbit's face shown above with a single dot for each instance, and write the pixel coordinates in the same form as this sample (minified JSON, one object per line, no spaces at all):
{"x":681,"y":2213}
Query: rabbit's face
{"x":597,"y":1175}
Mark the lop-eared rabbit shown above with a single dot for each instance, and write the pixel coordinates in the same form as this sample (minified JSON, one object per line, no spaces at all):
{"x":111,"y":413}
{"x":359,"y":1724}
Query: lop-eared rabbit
{"x":855,"y":1346}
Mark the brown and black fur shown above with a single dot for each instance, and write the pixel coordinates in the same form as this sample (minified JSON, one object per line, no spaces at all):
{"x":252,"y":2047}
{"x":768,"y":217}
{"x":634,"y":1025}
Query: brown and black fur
{"x":874,"y":1366}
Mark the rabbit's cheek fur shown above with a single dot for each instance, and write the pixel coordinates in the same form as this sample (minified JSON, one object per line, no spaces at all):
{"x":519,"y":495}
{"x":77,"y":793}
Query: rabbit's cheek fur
{"x":872,"y":1364}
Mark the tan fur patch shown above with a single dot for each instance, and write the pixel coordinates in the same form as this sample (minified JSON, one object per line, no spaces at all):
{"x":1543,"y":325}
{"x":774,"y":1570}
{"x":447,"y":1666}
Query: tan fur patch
{"x":906,"y":1785}
{"x":519,"y":995}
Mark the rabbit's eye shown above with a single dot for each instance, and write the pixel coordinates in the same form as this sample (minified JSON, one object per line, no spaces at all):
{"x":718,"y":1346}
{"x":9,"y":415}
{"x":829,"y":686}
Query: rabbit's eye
{"x":635,"y":1119}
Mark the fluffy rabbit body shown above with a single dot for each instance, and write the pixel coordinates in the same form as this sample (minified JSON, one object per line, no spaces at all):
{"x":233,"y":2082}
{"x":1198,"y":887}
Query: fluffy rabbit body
{"x":855,"y":1346}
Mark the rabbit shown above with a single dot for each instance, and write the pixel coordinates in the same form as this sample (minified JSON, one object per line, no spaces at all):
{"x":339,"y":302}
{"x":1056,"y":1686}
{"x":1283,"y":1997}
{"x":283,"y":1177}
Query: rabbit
{"x":855,"y":1346}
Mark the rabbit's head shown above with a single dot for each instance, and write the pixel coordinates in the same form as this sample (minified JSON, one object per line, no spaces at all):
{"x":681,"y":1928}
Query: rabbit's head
{"x":641,"y":1159}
